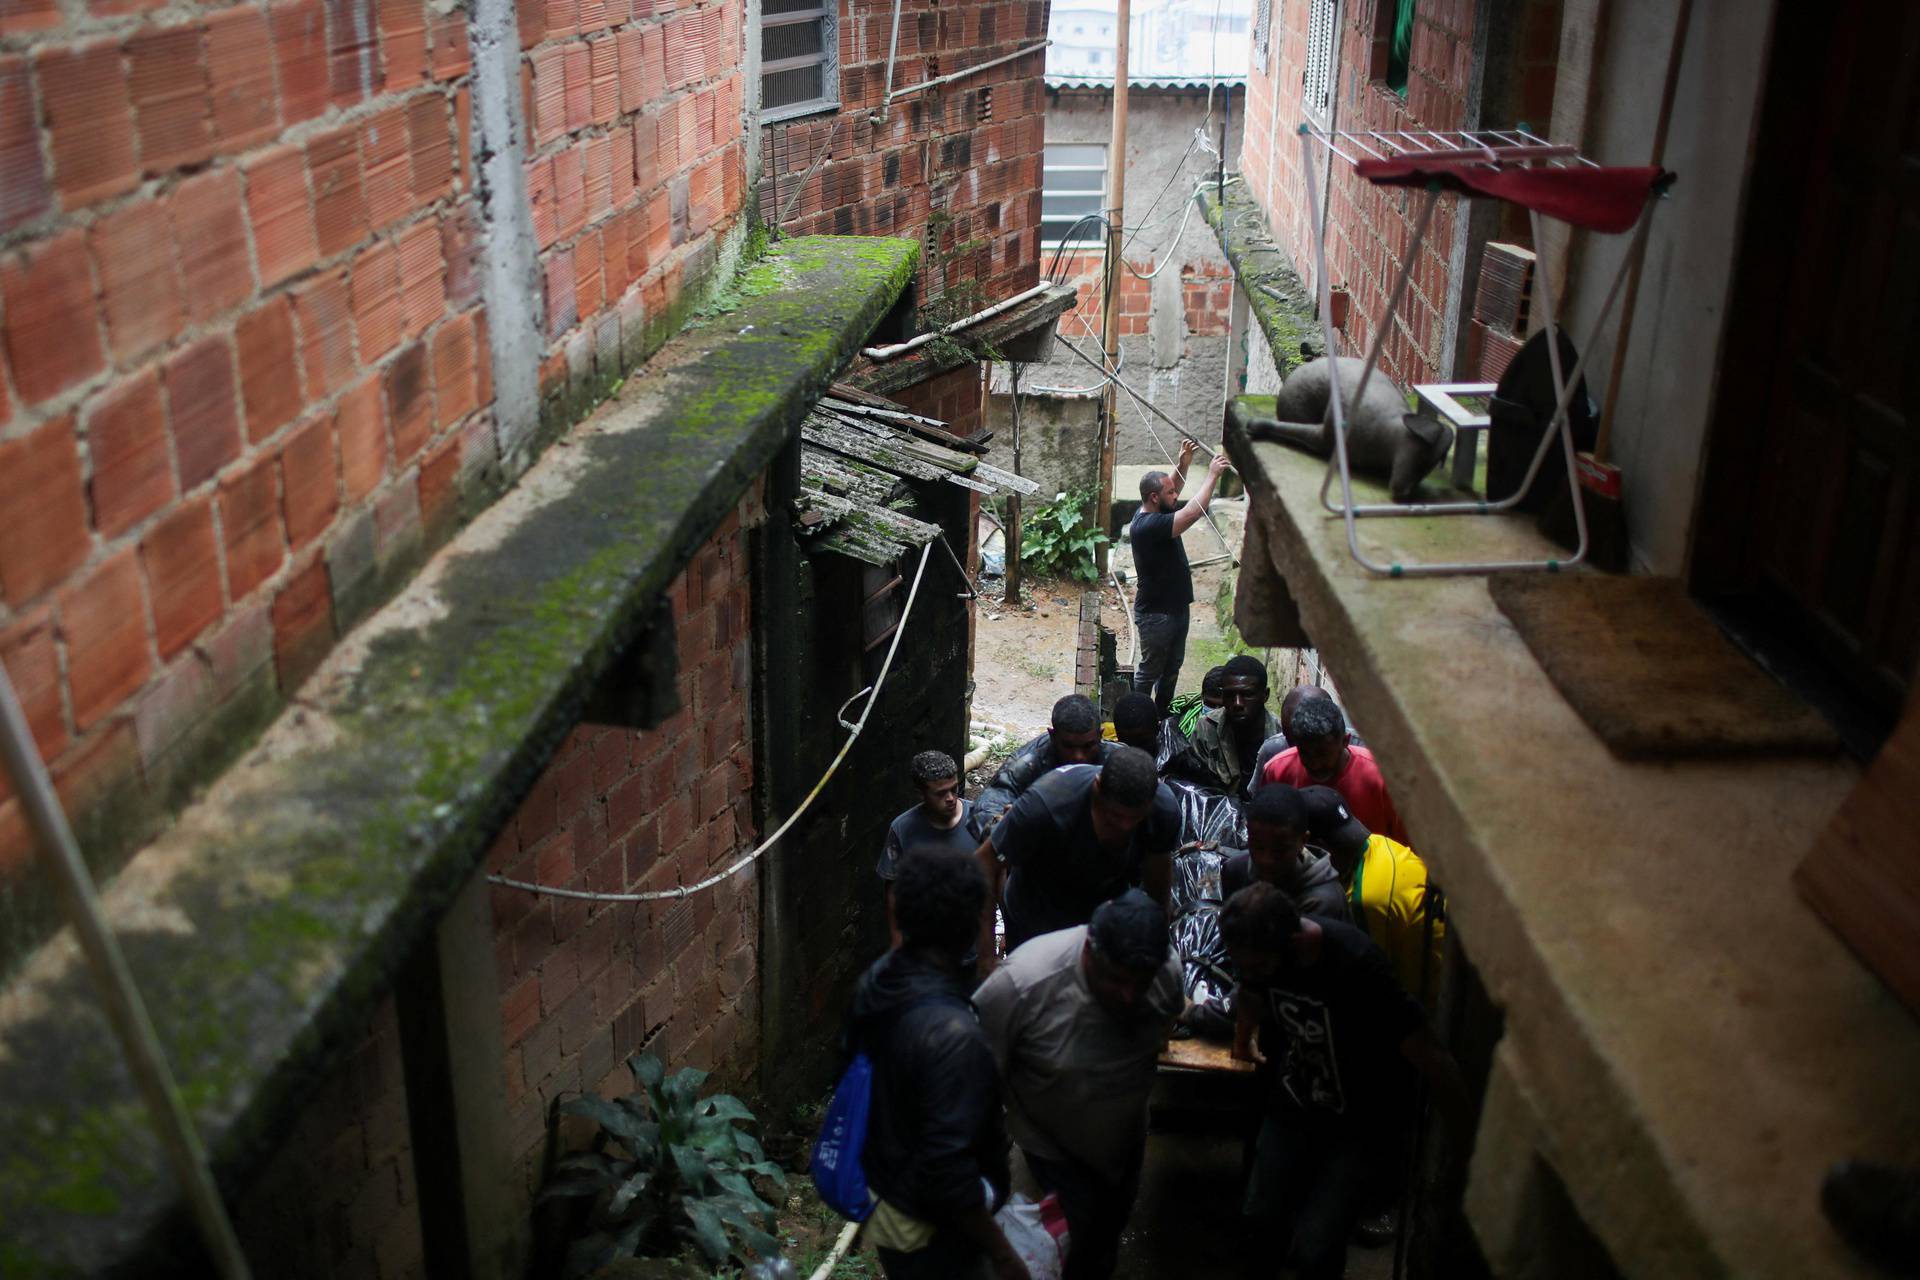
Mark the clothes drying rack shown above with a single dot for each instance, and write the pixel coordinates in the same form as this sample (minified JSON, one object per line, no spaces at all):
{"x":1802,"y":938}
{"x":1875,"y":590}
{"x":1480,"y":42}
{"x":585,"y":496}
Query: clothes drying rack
{"x":1504,"y":164}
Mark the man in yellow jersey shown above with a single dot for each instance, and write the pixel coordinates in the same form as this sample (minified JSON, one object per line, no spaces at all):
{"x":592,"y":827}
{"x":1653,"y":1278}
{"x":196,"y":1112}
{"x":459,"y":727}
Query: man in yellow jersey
{"x":1387,"y":891}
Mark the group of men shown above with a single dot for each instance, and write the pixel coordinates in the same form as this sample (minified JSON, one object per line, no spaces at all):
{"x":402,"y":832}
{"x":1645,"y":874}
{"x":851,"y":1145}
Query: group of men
{"x":1046,"y":1034}
{"x":1049,"y":1033}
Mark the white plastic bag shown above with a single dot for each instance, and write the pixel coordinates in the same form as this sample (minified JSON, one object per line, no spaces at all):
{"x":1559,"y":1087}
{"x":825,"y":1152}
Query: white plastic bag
{"x":1037,"y":1232}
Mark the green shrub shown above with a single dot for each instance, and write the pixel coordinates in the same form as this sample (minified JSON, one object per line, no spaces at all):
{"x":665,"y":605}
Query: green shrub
{"x":668,"y":1168}
{"x":1059,"y":540}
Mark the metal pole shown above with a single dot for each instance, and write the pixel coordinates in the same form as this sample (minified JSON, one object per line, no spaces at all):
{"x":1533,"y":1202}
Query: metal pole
{"x":113,"y":983}
{"x":1110,"y":309}
{"x":1010,"y":535}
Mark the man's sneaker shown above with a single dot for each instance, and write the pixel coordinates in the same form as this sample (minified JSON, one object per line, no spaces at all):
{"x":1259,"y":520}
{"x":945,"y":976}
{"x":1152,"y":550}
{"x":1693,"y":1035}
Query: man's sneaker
{"x":1376,"y":1229}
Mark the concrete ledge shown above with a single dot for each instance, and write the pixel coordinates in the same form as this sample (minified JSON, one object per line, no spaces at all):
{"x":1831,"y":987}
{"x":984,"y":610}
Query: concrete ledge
{"x":1278,"y":300}
{"x":1697,"y":1046}
{"x":276,"y":912}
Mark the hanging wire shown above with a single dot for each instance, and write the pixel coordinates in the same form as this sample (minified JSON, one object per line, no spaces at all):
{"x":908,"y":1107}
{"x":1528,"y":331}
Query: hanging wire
{"x":872,"y":695}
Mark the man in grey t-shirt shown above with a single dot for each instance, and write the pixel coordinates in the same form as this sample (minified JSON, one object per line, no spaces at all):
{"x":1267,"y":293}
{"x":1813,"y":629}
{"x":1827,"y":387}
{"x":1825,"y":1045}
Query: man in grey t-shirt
{"x":1076,"y":1020}
{"x":938,"y":821}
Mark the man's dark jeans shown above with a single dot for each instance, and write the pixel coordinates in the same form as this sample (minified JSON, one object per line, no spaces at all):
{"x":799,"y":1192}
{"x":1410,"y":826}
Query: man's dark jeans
{"x":1309,"y":1178}
{"x":944,"y":1258}
{"x":1096,"y":1209}
{"x":1163,"y":647}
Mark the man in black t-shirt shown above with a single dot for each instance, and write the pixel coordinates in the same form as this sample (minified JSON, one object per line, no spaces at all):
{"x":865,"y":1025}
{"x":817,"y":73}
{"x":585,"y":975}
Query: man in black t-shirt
{"x":1076,"y":838}
{"x":1163,"y":599}
{"x":1340,"y":1034}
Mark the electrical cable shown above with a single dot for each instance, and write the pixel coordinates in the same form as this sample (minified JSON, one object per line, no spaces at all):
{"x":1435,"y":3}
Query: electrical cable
{"x":871,"y":693}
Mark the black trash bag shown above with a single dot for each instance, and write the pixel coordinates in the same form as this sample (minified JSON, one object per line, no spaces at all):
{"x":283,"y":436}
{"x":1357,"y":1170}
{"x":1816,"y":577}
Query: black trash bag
{"x":1206,"y":973}
{"x":1208,"y":816}
{"x":1196,"y":879}
{"x":1168,"y":743}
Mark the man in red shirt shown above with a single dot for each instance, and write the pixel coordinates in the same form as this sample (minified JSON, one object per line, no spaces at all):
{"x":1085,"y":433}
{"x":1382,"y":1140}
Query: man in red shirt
{"x":1321,"y":754}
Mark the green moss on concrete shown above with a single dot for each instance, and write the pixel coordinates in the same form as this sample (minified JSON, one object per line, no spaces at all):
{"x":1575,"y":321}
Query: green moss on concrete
{"x":1277,"y":298}
{"x":306,"y":891}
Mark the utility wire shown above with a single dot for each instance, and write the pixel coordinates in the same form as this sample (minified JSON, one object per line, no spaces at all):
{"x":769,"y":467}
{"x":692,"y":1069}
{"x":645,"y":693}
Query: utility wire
{"x":871,"y":693}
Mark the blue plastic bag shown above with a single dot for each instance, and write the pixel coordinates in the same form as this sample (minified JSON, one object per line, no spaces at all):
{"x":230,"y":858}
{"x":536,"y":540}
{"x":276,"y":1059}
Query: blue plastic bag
{"x":837,"y":1171}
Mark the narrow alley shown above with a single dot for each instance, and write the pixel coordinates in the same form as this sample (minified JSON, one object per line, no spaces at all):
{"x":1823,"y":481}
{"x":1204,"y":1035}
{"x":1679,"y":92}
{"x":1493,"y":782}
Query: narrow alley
{"x":803,"y":640}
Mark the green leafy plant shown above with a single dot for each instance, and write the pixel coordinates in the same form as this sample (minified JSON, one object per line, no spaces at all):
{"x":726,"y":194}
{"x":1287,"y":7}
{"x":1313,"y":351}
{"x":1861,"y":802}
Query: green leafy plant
{"x":668,"y":1168}
{"x":1060,"y":538}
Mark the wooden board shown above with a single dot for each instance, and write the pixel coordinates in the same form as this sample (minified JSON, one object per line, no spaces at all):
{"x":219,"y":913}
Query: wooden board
{"x":1863,"y":876}
{"x":1201,"y":1055}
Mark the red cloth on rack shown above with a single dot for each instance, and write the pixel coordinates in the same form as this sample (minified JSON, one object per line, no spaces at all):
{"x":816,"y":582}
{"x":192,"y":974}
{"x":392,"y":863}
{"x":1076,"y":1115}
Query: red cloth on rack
{"x":1598,"y":199}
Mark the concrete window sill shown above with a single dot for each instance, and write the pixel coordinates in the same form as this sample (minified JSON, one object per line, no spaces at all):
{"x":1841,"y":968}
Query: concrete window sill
{"x":275,"y":913}
{"x":1691,"y":1046}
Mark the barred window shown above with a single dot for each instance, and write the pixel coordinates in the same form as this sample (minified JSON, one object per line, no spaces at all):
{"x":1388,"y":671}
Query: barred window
{"x":1322,"y":55}
{"x":1262,"y":32}
{"x":799,"y":57}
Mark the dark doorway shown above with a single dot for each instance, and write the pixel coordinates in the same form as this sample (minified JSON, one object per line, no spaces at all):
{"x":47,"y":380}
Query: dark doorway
{"x":1809,"y":534}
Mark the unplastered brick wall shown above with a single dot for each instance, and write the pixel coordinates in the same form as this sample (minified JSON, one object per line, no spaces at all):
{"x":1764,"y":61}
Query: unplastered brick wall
{"x":1086,"y":273}
{"x":583,"y":985}
{"x":244,"y":362}
{"x":245,"y":372}
{"x":636,"y":158}
{"x":954,"y":397}
{"x":1369,"y":228}
{"x":969,"y":151}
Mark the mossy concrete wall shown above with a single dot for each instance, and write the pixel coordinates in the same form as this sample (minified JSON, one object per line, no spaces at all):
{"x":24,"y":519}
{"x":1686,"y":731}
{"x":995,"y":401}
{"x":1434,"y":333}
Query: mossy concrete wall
{"x":582,"y":985}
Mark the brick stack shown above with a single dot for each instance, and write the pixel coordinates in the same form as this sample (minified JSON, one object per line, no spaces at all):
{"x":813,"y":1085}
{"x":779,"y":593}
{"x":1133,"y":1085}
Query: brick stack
{"x":1369,"y":229}
{"x":635,"y":156}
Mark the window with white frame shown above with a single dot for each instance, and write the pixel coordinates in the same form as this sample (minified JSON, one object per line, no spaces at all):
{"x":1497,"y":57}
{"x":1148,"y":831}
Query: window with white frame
{"x":1073,"y":184}
{"x":799,"y":57}
{"x":1322,"y":56}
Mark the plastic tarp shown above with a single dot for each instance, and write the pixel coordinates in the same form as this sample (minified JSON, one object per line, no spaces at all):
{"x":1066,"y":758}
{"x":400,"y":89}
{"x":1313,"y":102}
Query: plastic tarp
{"x":1207,"y":816}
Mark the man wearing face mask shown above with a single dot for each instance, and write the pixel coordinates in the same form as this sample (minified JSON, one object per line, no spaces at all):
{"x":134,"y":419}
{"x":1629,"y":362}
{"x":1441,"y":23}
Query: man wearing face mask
{"x":1226,"y":742}
{"x":1076,"y":1021}
{"x":1163,"y":605}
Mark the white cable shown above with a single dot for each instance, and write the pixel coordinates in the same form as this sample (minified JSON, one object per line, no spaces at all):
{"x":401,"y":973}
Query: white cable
{"x":661,"y":895}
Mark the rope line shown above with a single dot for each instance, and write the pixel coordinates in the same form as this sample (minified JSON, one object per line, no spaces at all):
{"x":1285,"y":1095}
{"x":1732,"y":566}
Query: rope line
{"x":872,"y":694}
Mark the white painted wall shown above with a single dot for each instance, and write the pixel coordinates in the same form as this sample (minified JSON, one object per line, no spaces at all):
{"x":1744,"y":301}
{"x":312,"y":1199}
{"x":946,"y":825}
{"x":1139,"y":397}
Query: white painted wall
{"x":1666,"y":399}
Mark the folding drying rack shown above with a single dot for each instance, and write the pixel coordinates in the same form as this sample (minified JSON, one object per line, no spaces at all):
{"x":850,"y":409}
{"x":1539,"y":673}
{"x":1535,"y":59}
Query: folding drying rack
{"x":1503,"y":164}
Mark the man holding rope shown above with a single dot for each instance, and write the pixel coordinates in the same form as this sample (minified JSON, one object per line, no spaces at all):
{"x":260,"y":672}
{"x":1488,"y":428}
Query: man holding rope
{"x":1162,"y":607}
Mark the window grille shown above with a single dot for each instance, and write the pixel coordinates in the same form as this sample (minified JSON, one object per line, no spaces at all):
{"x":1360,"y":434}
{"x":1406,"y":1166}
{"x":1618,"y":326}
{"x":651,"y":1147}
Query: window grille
{"x":1262,"y":32}
{"x":1073,"y":183}
{"x":1322,"y":56}
{"x":799,"y":57}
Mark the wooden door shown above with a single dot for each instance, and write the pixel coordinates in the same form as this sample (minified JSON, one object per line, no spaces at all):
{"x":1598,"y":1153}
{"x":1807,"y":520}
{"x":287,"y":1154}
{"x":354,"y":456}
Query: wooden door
{"x":1827,"y":531}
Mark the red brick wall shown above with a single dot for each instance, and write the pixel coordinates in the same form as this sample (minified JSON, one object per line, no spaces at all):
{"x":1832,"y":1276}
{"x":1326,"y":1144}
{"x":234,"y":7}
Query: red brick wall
{"x":1084,"y":271}
{"x":971,"y":148}
{"x":1369,"y":229}
{"x":583,"y":985}
{"x":244,"y":366}
{"x":635,"y":156}
{"x":956,"y":397}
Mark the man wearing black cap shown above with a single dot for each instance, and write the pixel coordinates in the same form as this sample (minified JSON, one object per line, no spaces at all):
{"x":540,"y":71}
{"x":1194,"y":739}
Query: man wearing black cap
{"x":1076,"y":1020}
{"x":1079,"y":836}
{"x":1072,"y":737}
{"x":1386,"y":889}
